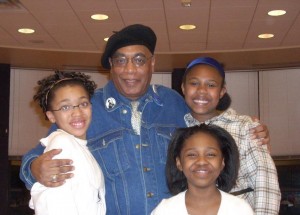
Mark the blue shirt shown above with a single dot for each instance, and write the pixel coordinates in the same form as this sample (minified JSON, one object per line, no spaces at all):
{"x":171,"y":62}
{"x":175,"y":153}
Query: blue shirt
{"x":133,"y":165}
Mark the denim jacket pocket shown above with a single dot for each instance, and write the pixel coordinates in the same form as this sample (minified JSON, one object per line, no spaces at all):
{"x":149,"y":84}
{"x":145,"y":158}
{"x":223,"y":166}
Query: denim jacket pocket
{"x":109,"y":150}
{"x":163,"y":138}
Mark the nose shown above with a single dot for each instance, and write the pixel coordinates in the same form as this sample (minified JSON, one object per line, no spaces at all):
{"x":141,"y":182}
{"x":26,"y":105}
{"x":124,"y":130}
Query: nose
{"x":130,"y":67}
{"x":201,"y":160}
{"x":202,"y":88}
{"x":76,"y":110}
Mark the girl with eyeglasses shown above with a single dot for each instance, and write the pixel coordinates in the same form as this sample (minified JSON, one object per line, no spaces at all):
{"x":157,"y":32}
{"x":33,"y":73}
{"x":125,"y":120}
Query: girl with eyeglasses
{"x":65,"y":100}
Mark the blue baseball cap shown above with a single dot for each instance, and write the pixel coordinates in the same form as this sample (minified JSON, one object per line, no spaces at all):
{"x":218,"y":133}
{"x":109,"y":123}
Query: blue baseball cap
{"x":207,"y":61}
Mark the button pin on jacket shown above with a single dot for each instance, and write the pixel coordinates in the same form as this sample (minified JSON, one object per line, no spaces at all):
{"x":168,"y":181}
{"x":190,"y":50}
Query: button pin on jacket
{"x":110,"y":103}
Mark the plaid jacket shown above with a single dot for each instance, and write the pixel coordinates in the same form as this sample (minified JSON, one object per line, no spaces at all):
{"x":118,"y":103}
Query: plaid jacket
{"x":257,"y":169}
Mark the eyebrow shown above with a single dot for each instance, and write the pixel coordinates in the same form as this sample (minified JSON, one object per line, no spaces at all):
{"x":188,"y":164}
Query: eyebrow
{"x":68,"y":100}
{"x":118,"y":54}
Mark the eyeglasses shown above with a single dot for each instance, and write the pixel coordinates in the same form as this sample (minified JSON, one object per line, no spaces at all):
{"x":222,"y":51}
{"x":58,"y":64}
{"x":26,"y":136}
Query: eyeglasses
{"x":68,"y":108}
{"x":137,"y":61}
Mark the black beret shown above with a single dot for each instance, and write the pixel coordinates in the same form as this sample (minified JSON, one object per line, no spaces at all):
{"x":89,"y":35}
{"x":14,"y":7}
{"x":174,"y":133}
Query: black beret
{"x":136,"y":34}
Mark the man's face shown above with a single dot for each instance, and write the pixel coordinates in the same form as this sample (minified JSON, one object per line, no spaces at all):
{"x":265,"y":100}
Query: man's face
{"x":131,"y":70}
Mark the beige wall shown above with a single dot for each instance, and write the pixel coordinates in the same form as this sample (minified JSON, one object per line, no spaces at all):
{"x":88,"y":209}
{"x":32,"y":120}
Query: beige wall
{"x":272,"y":95}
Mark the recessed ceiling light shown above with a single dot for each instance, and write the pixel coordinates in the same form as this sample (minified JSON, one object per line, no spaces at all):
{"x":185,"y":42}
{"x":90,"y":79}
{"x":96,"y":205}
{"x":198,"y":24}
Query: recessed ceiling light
{"x":265,"y":36}
{"x":106,"y":39}
{"x":99,"y":17}
{"x":187,"y":27}
{"x":186,"y":3}
{"x":276,"y":12}
{"x":26,"y":30}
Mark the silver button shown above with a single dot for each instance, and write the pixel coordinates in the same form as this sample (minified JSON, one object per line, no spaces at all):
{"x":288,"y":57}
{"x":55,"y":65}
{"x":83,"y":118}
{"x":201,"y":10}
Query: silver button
{"x":146,"y":169}
{"x":137,"y":146}
{"x":150,"y":194}
{"x":124,"y":111}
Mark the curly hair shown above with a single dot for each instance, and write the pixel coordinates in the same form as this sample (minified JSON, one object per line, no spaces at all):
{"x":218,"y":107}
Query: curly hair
{"x":176,"y":180}
{"x":47,"y":86}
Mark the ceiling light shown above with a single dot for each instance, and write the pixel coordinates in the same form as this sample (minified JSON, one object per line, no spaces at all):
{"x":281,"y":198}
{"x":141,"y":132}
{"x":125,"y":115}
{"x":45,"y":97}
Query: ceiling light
{"x":99,"y":17}
{"x":106,"y":39}
{"x":265,"y":36}
{"x":186,"y":3}
{"x":26,"y":30}
{"x":187,"y":27}
{"x":276,"y":12}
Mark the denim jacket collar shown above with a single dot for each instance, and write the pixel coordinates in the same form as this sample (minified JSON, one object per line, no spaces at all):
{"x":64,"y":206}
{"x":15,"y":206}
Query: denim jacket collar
{"x":110,"y":92}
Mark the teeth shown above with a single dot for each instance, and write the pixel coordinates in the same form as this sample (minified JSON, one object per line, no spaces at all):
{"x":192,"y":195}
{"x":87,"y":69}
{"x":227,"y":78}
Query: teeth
{"x":202,"y":171}
{"x":201,"y":101}
{"x":78,"y":124}
{"x":130,"y":81}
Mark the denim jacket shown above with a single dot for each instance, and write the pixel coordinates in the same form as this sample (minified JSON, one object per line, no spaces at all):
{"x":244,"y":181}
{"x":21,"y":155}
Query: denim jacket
{"x":133,"y":165}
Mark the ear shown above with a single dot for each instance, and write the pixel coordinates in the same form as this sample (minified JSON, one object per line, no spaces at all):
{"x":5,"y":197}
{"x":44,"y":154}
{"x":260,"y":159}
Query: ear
{"x":183,"y":88}
{"x":178,"y":164}
{"x":110,"y":63}
{"x":223,"y":164}
{"x":50,"y":116}
{"x":152,"y":63}
{"x":223,"y":91}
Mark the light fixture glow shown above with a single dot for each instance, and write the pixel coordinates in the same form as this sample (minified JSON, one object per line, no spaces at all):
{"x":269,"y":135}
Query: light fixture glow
{"x":276,"y":12}
{"x":187,"y":27}
{"x":186,"y":3}
{"x":99,"y":17}
{"x":106,"y":39}
{"x":26,"y":30}
{"x":265,"y":36}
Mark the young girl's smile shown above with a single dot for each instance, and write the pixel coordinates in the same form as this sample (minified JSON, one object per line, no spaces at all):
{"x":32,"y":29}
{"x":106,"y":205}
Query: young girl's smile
{"x":201,"y":160}
{"x":76,"y":120}
{"x":202,"y":90}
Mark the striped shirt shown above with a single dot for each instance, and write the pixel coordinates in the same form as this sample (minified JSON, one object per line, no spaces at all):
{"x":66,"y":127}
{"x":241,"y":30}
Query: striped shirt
{"x":257,"y":169}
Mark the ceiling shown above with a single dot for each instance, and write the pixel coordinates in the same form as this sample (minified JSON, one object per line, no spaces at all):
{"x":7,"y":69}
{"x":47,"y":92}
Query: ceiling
{"x":67,"y":38}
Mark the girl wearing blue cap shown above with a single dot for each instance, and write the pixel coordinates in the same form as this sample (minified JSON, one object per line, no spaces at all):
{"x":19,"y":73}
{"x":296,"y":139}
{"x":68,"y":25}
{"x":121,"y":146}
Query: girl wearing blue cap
{"x":205,"y":93}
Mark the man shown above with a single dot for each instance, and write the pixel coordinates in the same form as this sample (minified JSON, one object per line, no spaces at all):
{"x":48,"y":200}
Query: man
{"x":131,"y":127}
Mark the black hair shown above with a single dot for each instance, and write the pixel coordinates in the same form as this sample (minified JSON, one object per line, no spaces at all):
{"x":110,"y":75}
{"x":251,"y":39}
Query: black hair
{"x":47,"y":86}
{"x":177,"y":181}
{"x":225,"y":101}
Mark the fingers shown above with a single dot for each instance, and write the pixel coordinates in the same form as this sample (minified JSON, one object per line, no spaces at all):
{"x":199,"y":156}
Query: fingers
{"x":51,"y":173}
{"x":61,"y":162}
{"x":254,"y":118}
{"x":53,"y":178}
{"x":60,"y":179}
{"x":59,"y":168}
{"x":261,"y":134}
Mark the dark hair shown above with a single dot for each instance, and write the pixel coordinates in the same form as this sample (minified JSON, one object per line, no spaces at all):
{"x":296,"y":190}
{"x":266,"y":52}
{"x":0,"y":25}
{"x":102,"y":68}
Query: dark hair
{"x":47,"y":86}
{"x":225,"y":101}
{"x":177,"y":181}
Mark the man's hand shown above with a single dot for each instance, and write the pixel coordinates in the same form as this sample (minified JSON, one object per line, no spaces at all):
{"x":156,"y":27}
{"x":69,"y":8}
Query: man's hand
{"x":51,"y":173}
{"x":261,"y":133}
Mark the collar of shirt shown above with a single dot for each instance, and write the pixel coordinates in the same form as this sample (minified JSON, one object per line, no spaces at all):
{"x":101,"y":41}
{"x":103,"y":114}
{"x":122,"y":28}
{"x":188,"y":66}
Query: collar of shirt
{"x":110,"y":91}
{"x":226,"y":115}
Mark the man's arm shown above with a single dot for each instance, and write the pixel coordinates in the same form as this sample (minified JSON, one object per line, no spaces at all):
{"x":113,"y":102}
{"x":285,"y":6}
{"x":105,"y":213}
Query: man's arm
{"x":40,"y":167}
{"x":25,"y":172}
